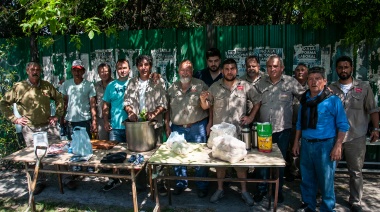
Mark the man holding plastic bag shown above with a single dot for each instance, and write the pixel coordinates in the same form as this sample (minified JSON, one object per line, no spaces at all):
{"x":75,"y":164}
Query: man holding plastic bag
{"x":227,"y":99}
{"x":189,"y":119}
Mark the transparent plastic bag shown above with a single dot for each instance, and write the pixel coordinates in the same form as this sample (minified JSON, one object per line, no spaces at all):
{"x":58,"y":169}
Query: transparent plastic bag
{"x":81,"y":144}
{"x":221,"y":129}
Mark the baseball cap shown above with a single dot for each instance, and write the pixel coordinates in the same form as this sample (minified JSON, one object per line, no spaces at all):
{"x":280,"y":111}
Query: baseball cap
{"x":77,"y":64}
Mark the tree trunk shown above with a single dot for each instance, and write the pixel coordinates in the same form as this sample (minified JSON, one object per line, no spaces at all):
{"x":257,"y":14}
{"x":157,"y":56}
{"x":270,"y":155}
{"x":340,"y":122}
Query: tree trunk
{"x":34,"y":57}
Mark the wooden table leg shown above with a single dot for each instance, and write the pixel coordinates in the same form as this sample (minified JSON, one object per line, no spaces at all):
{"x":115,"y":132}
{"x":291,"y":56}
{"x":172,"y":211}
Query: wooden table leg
{"x":58,"y":167}
{"x":134,"y":193}
{"x":270,"y":189}
{"x":277,"y":187}
{"x":150,"y":181}
{"x":157,"y":208}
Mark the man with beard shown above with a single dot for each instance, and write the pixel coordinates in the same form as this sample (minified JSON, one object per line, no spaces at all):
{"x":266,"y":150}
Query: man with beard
{"x":113,"y":101}
{"x":32,"y":98}
{"x":188,"y":118}
{"x":360,"y":105}
{"x":278,"y":91}
{"x":211,"y":73}
{"x":253,"y":74}
{"x":228,"y":100}
{"x":322,"y":123}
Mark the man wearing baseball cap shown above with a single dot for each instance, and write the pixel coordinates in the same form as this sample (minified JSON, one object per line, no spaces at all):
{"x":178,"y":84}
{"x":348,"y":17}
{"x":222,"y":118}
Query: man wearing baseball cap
{"x":80,"y":101}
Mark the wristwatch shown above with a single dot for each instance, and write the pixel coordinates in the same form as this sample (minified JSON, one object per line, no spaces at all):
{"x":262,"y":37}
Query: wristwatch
{"x":376,"y":129}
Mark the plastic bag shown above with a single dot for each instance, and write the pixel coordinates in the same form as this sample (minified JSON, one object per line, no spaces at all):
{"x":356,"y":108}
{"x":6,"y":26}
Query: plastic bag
{"x":81,"y":144}
{"x":181,"y":148}
{"x":221,"y":129}
{"x":175,"y":137}
{"x":228,"y":148}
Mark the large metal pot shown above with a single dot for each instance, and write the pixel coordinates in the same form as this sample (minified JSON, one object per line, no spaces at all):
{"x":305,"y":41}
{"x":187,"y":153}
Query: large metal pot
{"x":140,"y":136}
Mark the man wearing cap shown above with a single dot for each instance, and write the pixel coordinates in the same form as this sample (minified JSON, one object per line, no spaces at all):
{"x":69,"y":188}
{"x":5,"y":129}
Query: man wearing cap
{"x":80,"y":97}
{"x":32,"y":98}
{"x":360,"y":106}
{"x":188,"y":118}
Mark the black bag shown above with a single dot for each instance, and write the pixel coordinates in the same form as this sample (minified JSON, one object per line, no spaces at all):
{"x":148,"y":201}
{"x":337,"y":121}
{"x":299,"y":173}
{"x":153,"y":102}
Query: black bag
{"x":118,"y":157}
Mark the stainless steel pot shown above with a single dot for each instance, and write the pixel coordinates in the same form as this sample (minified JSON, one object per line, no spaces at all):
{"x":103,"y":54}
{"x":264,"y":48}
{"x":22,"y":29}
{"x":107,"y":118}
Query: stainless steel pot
{"x":140,"y":136}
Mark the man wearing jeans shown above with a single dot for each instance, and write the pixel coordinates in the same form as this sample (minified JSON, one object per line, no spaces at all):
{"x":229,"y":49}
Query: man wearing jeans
{"x":360,"y":106}
{"x":323,"y":124}
{"x":188,"y":118}
{"x":278,"y":91}
{"x":113,"y":101}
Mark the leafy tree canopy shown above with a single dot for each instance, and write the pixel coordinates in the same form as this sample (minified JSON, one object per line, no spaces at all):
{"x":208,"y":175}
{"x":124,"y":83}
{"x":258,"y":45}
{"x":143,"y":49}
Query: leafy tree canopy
{"x":76,"y":17}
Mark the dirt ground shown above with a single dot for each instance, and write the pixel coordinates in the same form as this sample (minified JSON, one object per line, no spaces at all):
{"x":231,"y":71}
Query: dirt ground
{"x":13,"y":185}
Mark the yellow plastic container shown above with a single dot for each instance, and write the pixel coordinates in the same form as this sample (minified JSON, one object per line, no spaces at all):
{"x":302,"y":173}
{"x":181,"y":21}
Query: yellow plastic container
{"x":264,"y":137}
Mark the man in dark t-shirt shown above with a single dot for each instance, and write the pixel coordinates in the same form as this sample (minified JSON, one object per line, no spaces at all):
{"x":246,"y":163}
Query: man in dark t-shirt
{"x":212,"y":72}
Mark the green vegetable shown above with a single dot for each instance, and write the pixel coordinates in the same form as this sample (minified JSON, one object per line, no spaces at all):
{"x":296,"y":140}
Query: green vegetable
{"x":143,"y":115}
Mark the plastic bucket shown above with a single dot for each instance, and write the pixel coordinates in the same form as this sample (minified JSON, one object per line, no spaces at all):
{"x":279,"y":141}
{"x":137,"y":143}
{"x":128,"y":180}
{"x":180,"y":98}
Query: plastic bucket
{"x":264,"y":137}
{"x":140,"y":136}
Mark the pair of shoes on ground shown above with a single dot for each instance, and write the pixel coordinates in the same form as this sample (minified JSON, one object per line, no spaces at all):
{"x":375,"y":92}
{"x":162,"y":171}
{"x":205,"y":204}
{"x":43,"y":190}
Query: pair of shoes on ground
{"x":356,"y":208}
{"x":178,"y":190}
{"x":70,"y":183}
{"x":219,"y":194}
{"x":258,"y":197}
{"x":162,"y":191}
{"x":304,"y":208}
{"x":40,"y":186}
{"x":111,"y":184}
{"x":79,"y":168}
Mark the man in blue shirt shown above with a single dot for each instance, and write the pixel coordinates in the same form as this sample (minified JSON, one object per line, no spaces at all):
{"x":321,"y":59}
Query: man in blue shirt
{"x":323,"y":123}
{"x":113,"y":100}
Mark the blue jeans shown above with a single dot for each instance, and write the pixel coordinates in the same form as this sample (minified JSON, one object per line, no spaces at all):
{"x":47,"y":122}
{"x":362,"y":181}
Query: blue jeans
{"x":194,"y":134}
{"x":282,"y":141}
{"x":118,"y":135}
{"x":317,"y":171}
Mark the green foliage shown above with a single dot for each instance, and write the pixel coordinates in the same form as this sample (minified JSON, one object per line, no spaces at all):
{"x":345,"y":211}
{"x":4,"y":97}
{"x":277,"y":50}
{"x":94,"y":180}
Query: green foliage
{"x":358,"y":17}
{"x":8,"y":137}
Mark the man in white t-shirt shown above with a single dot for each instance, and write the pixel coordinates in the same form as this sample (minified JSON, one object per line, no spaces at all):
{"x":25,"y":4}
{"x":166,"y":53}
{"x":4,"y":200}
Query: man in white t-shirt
{"x":80,"y":98}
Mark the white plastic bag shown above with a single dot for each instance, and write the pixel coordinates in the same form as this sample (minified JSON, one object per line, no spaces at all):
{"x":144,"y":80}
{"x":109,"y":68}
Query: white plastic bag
{"x":81,"y":144}
{"x":174,"y":137}
{"x":228,"y":148}
{"x":181,"y":148}
{"x":221,"y":129}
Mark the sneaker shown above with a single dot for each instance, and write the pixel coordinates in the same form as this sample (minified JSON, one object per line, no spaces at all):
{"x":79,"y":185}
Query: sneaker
{"x":178,"y":190}
{"x":247,"y":198}
{"x":356,"y":208}
{"x":39,"y":188}
{"x":111,"y":184}
{"x":202,"y":193}
{"x":91,"y":169}
{"x":70,"y":183}
{"x":162,"y":191}
{"x":258,"y":197}
{"x":77,"y":168}
{"x":219,"y":194}
{"x":304,"y":208}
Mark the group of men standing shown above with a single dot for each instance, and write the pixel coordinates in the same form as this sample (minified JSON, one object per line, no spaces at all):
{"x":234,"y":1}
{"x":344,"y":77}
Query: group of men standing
{"x":327,"y":121}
